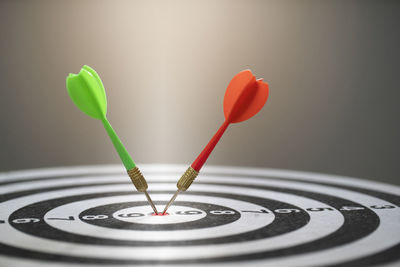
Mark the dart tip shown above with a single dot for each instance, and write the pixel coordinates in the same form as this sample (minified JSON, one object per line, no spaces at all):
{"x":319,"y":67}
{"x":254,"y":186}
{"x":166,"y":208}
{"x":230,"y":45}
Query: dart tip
{"x":170,"y":201}
{"x":151,"y":202}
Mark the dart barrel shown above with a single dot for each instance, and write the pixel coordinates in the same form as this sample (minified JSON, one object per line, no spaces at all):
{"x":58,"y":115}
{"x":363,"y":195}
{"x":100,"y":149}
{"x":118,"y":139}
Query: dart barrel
{"x":187,"y":179}
{"x":138,"y":179}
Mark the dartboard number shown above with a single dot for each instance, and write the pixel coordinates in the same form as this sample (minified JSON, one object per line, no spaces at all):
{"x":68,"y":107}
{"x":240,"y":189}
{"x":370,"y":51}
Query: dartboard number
{"x":262,"y":211}
{"x":381,"y":207}
{"x":319,"y":209}
{"x":1,"y":221}
{"x":69,"y":218}
{"x":222,"y":212}
{"x":377,"y":207}
{"x":131,"y":215}
{"x":287,"y":210}
{"x":26,"y":220}
{"x":350,"y":208}
{"x":188,"y":212}
{"x":94,"y":217}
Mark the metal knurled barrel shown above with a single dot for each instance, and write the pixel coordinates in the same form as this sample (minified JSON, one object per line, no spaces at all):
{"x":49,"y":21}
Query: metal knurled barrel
{"x":187,"y":179}
{"x":137,"y":179}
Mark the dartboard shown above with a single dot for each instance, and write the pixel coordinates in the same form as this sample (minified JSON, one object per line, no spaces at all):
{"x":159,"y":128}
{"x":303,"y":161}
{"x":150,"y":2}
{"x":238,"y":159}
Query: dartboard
{"x":230,"y":216}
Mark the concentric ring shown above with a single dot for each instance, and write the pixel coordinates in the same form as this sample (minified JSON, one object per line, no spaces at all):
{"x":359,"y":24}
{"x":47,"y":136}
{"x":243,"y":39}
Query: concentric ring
{"x":257,"y":216}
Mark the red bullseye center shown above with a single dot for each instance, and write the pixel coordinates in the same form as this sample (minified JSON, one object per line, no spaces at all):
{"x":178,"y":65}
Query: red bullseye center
{"x":159,"y":214}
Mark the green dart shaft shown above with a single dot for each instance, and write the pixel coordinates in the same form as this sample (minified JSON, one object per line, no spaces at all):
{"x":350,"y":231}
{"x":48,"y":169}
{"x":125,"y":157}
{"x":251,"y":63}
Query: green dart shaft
{"x":121,"y":150}
{"x":87,"y":92}
{"x":133,"y":172}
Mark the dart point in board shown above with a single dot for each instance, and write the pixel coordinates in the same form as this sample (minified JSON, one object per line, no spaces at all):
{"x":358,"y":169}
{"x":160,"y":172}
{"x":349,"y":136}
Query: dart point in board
{"x":244,"y":97}
{"x":87,"y":92}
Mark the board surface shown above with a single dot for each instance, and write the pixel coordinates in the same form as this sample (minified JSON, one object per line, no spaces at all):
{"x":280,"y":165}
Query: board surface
{"x":83,"y":216}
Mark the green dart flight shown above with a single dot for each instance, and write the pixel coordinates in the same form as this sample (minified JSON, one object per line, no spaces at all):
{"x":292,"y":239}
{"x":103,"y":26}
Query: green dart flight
{"x":87,"y":92}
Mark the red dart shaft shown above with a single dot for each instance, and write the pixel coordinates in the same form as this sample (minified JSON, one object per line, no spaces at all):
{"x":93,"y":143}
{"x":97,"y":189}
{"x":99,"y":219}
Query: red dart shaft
{"x":203,"y":156}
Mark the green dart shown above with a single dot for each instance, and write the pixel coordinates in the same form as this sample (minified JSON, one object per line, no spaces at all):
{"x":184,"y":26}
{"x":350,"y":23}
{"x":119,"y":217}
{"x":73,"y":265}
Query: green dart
{"x":87,"y":92}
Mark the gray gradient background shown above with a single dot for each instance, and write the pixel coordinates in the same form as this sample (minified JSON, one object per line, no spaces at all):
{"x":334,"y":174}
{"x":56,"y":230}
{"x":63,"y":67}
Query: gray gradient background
{"x":333,"y":69}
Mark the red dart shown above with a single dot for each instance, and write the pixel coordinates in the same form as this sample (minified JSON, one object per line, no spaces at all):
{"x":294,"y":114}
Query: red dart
{"x":244,"y":98}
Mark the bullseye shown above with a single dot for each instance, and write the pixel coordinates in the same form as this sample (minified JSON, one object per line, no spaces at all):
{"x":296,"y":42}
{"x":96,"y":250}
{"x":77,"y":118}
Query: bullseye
{"x":160,"y":214}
